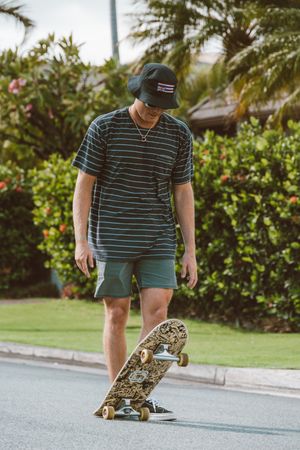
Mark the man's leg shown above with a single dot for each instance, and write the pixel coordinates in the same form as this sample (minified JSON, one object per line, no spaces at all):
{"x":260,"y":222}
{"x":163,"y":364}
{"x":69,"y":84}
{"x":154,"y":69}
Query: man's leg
{"x":114,"y":286}
{"x":154,"y":307}
{"x":114,"y":340}
{"x":156,"y":279}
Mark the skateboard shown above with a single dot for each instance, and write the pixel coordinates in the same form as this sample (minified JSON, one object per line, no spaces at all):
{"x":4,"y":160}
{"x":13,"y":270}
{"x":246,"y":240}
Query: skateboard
{"x":143,"y":370}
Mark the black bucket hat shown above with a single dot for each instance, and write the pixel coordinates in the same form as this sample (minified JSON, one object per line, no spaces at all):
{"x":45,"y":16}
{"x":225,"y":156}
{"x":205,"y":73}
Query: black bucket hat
{"x":155,"y":85}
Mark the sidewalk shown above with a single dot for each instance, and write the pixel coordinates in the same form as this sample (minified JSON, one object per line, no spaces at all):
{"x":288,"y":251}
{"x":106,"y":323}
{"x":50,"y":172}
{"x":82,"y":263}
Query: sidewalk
{"x":272,"y":380}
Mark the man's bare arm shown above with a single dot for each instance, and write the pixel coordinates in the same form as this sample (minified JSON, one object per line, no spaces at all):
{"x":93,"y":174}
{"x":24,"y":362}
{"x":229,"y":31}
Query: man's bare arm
{"x":185,"y":212}
{"x":81,"y":206}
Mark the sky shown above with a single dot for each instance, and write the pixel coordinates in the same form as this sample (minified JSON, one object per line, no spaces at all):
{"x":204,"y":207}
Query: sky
{"x":87,"y":20}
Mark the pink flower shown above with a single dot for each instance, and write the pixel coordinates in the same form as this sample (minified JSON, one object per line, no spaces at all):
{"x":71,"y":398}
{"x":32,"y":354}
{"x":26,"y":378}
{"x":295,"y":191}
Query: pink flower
{"x":13,"y":87}
{"x":22,"y":82}
{"x":28,"y":109}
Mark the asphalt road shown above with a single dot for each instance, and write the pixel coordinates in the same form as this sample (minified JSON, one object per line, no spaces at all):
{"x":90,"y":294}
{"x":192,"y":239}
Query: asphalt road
{"x":44,"y":407}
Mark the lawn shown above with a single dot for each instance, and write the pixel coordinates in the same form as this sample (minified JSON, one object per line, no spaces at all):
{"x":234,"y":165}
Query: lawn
{"x":78,"y":325}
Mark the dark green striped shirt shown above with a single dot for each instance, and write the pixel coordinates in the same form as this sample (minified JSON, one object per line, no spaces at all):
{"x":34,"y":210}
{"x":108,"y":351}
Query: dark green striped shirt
{"x":131,"y":214}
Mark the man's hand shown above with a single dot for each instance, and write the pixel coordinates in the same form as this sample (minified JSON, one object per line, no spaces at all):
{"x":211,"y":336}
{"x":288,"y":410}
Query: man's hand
{"x":189,"y":269}
{"x":84,"y":255}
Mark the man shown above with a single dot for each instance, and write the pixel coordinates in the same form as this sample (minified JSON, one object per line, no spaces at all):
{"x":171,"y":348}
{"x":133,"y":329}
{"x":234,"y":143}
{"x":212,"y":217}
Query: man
{"x":128,"y":160}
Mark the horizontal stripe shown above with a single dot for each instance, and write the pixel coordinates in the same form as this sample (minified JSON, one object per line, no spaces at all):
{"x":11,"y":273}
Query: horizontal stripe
{"x":103,"y":233}
{"x":155,"y":137}
{"x":132,"y":256}
{"x":146,"y":256}
{"x":124,"y":243}
{"x":165,"y":84}
{"x":131,"y":148}
{"x":166,"y":90}
{"x":129,"y":223}
{"x":85,"y":168}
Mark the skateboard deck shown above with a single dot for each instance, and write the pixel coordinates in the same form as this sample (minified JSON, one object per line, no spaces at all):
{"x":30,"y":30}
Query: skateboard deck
{"x":138,"y":378}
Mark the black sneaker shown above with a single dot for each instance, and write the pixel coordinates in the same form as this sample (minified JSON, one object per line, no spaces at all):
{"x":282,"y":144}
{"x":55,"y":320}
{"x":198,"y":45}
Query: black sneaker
{"x":157,"y":412}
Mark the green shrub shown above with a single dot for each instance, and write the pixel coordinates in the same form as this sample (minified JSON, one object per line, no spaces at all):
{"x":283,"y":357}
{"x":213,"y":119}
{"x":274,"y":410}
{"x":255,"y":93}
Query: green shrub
{"x":20,"y":261}
{"x":53,"y":188}
{"x":37,"y":289}
{"x":247,"y":228}
{"x":247,"y":193}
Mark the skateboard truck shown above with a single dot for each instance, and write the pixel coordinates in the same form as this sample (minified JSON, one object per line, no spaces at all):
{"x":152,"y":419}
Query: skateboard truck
{"x":162,"y":354}
{"x":125,"y":410}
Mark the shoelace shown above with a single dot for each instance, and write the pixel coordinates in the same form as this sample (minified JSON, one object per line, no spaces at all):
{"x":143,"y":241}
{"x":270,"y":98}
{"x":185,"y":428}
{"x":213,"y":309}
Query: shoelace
{"x":154,"y":403}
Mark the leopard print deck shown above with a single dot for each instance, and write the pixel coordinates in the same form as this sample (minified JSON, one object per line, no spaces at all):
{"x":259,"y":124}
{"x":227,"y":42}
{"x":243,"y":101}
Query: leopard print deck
{"x":172,"y":332}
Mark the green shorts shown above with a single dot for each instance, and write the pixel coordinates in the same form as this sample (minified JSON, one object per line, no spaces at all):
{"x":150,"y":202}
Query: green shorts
{"x":115,"y":278}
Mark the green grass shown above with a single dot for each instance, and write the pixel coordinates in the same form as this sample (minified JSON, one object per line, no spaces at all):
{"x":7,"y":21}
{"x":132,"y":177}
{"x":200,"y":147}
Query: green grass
{"x":78,"y":325}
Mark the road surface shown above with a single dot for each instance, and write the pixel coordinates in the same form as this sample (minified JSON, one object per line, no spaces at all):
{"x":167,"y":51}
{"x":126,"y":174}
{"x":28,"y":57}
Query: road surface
{"x":45,"y":406}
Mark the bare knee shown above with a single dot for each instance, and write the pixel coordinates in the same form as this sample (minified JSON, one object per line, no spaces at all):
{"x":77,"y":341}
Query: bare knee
{"x":157,"y":313}
{"x":155,"y":306}
{"x":116,"y":313}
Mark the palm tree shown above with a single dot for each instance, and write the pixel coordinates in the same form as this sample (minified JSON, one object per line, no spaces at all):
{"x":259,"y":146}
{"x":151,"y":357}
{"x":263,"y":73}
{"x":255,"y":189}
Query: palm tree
{"x":259,"y":42}
{"x":270,"y":66}
{"x":204,"y":81}
{"x":177,"y":30}
{"x":11,"y":9}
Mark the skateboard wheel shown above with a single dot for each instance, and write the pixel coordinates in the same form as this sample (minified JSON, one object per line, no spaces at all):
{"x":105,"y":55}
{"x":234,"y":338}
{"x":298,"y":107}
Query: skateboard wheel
{"x":146,"y":356}
{"x":108,"y":413}
{"x":183,"y":359}
{"x":144,"y":414}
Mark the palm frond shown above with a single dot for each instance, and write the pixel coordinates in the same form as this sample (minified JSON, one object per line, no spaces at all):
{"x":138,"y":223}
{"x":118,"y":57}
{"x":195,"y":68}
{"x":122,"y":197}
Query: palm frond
{"x":14,"y":10}
{"x":172,"y":25}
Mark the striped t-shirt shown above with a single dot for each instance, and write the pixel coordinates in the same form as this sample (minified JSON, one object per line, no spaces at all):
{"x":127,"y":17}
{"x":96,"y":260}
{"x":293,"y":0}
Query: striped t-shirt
{"x":131,"y":214}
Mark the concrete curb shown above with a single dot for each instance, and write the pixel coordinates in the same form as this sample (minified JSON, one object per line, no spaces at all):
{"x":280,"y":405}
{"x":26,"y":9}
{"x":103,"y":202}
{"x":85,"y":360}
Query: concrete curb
{"x":279,"y":380}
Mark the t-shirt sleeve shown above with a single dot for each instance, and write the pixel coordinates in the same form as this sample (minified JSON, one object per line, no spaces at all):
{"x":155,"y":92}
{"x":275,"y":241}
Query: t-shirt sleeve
{"x":183,"y":170}
{"x":90,"y":157}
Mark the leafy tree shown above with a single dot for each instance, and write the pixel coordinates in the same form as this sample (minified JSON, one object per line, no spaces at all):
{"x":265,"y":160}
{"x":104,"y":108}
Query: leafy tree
{"x":177,"y":30}
{"x":48,"y":98}
{"x":259,"y":42}
{"x":202,"y":82}
{"x":270,"y":66}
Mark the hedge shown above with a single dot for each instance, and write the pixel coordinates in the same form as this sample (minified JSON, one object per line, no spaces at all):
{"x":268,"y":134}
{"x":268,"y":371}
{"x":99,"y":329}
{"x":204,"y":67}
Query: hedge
{"x":21,"y":263}
{"x":247,"y":228}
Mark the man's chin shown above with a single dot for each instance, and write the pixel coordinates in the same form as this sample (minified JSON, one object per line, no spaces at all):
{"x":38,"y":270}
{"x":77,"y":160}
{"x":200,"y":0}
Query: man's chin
{"x":154,"y":116}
